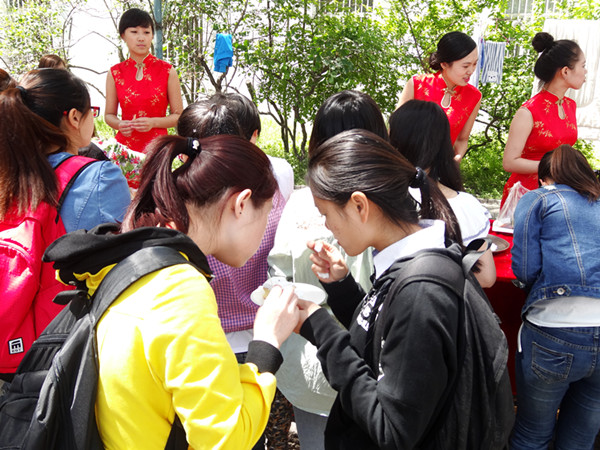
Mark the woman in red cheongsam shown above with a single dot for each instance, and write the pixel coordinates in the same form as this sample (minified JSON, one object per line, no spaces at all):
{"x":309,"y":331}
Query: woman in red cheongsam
{"x":454,"y":61}
{"x":143,"y":85}
{"x":548,"y":119}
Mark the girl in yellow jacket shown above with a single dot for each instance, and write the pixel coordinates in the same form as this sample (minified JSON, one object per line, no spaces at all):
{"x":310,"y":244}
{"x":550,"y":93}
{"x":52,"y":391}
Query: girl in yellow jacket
{"x":161,"y":349}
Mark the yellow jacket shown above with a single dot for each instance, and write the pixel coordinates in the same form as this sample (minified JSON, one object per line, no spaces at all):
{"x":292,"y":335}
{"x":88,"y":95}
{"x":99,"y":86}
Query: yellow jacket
{"x":162,"y":350}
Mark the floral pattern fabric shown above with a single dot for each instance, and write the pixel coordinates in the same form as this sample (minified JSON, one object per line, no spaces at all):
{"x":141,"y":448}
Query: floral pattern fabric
{"x":430,"y":87}
{"x":144,"y":98}
{"x":548,"y":132}
{"x":129,"y":161}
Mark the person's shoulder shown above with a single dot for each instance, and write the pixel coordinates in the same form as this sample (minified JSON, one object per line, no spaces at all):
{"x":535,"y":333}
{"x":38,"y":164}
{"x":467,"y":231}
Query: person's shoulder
{"x":280,"y":164}
{"x":473,"y":91}
{"x":159,"y":62}
{"x":569,"y":101}
{"x":424,"y":78}
{"x":466,"y":198}
{"x":98,"y":172}
{"x":468,"y":202}
{"x":119,"y":66}
{"x":56,"y":158}
{"x":535,"y":196}
{"x":538,"y":99}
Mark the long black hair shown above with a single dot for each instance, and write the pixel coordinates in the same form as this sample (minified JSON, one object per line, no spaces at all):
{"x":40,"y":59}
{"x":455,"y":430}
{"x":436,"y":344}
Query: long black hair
{"x":420,"y":130}
{"x":30,"y":118}
{"x":358,"y":160}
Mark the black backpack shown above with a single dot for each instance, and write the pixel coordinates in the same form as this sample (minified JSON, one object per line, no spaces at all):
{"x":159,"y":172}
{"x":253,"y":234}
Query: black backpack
{"x":481,"y":391}
{"x":50,"y":403}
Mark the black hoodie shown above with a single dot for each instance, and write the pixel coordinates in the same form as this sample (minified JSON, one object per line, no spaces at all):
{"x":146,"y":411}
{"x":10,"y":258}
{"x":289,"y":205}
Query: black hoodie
{"x":389,"y":397}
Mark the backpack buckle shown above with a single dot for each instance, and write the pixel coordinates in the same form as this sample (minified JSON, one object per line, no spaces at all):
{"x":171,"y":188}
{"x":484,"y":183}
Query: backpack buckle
{"x":66,"y":297}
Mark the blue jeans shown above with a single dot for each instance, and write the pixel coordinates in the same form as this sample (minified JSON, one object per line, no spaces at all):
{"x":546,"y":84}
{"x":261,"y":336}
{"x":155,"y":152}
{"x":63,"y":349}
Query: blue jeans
{"x":557,"y":369}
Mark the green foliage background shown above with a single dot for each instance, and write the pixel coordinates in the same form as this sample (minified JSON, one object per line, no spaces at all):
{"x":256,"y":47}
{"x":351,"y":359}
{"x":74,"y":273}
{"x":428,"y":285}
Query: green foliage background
{"x":296,"y":53}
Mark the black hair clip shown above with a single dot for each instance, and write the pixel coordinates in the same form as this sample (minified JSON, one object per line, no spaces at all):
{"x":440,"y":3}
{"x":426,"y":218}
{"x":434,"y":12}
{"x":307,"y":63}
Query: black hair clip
{"x":419,"y":180}
{"x":193,"y":147}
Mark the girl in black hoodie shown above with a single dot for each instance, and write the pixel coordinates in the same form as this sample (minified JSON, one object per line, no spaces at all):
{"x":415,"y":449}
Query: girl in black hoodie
{"x":393,"y":371}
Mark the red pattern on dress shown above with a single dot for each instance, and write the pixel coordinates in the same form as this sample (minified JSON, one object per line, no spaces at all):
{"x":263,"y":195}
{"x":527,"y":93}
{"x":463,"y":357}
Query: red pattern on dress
{"x":548,"y":132}
{"x":430,"y":87}
{"x":144,"y":98}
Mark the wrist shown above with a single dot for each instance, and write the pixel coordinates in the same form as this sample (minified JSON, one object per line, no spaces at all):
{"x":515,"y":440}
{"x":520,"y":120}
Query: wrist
{"x":266,"y":337}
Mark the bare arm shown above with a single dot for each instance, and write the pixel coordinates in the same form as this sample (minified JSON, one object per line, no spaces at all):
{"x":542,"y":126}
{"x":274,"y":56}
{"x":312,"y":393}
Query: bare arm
{"x":487,"y":269}
{"x":144,"y":124}
{"x":462,"y":141}
{"x":520,"y":129}
{"x":111,"y":107}
{"x":407,"y":94}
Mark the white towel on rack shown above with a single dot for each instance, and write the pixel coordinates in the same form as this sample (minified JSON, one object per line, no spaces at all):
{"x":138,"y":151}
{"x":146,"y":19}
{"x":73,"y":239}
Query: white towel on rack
{"x":491,"y":61}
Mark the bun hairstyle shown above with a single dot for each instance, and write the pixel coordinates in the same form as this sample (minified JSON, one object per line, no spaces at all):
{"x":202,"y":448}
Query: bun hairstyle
{"x":52,"y":62}
{"x":229,"y":113}
{"x":554,"y":55}
{"x":206,"y":118}
{"x":30,"y":128}
{"x":358,"y":160}
{"x":346,"y":110}
{"x":451,"y":47}
{"x":214,"y":166}
{"x":243,"y":109}
{"x":568,"y":166}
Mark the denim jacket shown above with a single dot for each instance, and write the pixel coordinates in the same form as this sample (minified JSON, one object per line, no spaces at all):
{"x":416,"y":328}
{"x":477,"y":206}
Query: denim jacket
{"x":556,"y":251}
{"x":99,"y":194}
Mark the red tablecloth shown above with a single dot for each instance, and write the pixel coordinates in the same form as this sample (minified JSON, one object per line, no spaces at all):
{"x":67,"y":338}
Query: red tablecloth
{"x":507,"y":300}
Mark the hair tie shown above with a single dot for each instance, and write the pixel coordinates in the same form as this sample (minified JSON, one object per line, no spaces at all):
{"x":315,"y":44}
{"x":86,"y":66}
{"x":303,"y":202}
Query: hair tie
{"x":419,"y":180}
{"x":23,"y":91}
{"x":193,"y":147}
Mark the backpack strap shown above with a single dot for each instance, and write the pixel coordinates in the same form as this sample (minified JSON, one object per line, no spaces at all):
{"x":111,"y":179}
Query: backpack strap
{"x":67,"y":172}
{"x":473,"y":253}
{"x":128,"y":271}
{"x":124,"y":274}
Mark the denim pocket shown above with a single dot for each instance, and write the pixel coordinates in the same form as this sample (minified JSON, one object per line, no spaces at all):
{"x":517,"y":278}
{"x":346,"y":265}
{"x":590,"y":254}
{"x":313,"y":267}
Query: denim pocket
{"x":550,"y":365}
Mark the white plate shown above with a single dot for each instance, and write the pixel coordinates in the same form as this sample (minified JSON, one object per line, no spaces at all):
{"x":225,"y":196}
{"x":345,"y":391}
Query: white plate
{"x":498,"y":244}
{"x":304,"y":291}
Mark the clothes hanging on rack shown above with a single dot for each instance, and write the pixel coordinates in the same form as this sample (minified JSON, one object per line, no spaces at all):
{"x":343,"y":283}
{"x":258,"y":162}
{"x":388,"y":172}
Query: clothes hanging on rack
{"x":491,"y":61}
{"x":223,"y":57}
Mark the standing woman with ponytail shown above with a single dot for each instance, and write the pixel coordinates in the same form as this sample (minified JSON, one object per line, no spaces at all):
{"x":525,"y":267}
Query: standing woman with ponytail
{"x":454,"y":61}
{"x":161,"y":349}
{"x":390,"y":390}
{"x":548,"y":119}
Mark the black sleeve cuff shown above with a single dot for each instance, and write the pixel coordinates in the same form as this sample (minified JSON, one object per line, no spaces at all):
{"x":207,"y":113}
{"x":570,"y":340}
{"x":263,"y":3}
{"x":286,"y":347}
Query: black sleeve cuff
{"x":266,"y":357}
{"x":307,"y":331}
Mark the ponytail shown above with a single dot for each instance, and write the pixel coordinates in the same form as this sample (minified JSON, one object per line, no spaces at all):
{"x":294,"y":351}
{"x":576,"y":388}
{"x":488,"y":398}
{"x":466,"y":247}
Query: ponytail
{"x":213,"y":166}
{"x":31,"y":116}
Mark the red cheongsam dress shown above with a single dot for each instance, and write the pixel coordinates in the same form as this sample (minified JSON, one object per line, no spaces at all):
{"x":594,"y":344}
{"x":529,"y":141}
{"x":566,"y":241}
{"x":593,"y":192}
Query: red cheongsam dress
{"x":144,"y":98}
{"x":430,"y":87}
{"x":548,"y":132}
